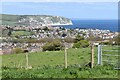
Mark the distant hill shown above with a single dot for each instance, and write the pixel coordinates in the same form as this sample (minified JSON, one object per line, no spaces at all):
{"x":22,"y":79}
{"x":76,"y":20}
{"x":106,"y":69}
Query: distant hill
{"x":33,"y":20}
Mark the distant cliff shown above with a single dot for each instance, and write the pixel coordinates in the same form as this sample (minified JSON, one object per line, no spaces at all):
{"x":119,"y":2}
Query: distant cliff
{"x":33,"y":20}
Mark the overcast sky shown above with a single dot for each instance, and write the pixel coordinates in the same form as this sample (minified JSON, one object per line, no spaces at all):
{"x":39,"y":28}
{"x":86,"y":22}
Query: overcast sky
{"x":69,"y":9}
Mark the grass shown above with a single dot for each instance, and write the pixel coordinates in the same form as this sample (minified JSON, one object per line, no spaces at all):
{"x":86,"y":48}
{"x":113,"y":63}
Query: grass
{"x":53,"y":58}
{"x":111,"y":51}
{"x":16,"y":33}
{"x":20,"y":33}
{"x":50,"y":64}
{"x":57,"y":72}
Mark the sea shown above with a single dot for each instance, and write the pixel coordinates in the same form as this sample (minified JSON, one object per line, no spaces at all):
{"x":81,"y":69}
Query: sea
{"x":111,"y":25}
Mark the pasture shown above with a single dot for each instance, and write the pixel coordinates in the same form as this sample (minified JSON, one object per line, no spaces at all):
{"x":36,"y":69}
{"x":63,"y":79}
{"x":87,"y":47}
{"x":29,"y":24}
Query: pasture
{"x":52,"y":58}
{"x":50,"y":64}
{"x":20,"y":33}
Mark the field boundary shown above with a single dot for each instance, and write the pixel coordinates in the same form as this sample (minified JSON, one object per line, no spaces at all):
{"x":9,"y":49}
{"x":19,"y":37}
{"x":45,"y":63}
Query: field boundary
{"x":103,"y":52}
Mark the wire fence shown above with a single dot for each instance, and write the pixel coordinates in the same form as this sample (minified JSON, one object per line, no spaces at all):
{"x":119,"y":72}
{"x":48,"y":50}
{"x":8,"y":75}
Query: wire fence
{"x":109,"y":55}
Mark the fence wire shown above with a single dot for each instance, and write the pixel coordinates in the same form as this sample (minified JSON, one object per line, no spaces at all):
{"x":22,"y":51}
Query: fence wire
{"x":109,"y":55}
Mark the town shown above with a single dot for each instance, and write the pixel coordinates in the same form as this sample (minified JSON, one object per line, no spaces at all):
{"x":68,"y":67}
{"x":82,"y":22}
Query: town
{"x":33,"y":38}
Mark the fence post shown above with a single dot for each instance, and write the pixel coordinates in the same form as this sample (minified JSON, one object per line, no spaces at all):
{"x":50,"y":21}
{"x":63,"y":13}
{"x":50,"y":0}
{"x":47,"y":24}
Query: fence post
{"x":65,"y":58}
{"x":92,"y":55}
{"x":26,"y":60}
{"x":99,"y":54}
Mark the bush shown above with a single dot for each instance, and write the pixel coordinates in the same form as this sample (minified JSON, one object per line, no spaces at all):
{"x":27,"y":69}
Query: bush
{"x":18,"y":50}
{"x":53,"y":46}
{"x":69,"y":40}
{"x":82,"y":43}
{"x":78,"y":38}
{"x":117,"y":39}
{"x":76,"y":45}
{"x":105,"y":43}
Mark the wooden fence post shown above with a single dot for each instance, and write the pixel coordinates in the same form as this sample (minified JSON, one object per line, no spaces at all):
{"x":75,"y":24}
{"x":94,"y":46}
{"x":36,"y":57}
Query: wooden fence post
{"x":101,"y":53}
{"x":27,"y":60}
{"x":92,"y":55}
{"x":65,"y":57}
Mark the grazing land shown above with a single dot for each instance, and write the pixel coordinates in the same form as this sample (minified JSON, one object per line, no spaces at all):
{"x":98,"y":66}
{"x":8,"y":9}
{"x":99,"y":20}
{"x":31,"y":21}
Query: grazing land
{"x":20,"y":33}
{"x":50,"y":64}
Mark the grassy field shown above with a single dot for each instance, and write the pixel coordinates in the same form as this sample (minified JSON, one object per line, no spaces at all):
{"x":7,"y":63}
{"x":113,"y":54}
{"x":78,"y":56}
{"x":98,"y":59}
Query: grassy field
{"x":53,"y":58}
{"x":16,"y":33}
{"x":20,"y":33}
{"x":51,"y":65}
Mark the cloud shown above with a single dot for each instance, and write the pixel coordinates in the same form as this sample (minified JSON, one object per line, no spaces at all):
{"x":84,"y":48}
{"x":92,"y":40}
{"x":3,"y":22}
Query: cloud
{"x":60,"y":0}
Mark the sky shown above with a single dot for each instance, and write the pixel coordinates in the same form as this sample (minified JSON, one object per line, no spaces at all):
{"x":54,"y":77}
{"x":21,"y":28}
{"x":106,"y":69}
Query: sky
{"x":60,"y":0}
{"x":70,"y":9}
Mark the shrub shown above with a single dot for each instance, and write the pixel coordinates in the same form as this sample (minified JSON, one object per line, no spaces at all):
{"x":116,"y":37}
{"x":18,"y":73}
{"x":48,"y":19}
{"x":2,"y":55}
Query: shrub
{"x":78,"y":38}
{"x":18,"y":50}
{"x":76,"y":45}
{"x":53,"y":46}
{"x":69,"y":40}
{"x":117,"y":39}
{"x":82,"y":43}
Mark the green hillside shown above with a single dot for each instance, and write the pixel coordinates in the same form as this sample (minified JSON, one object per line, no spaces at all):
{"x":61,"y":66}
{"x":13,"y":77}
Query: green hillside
{"x":33,"y":20}
{"x":9,"y":19}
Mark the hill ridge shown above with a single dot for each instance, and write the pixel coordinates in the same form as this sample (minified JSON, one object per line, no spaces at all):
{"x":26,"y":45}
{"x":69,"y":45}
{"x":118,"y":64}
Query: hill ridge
{"x":33,"y":20}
